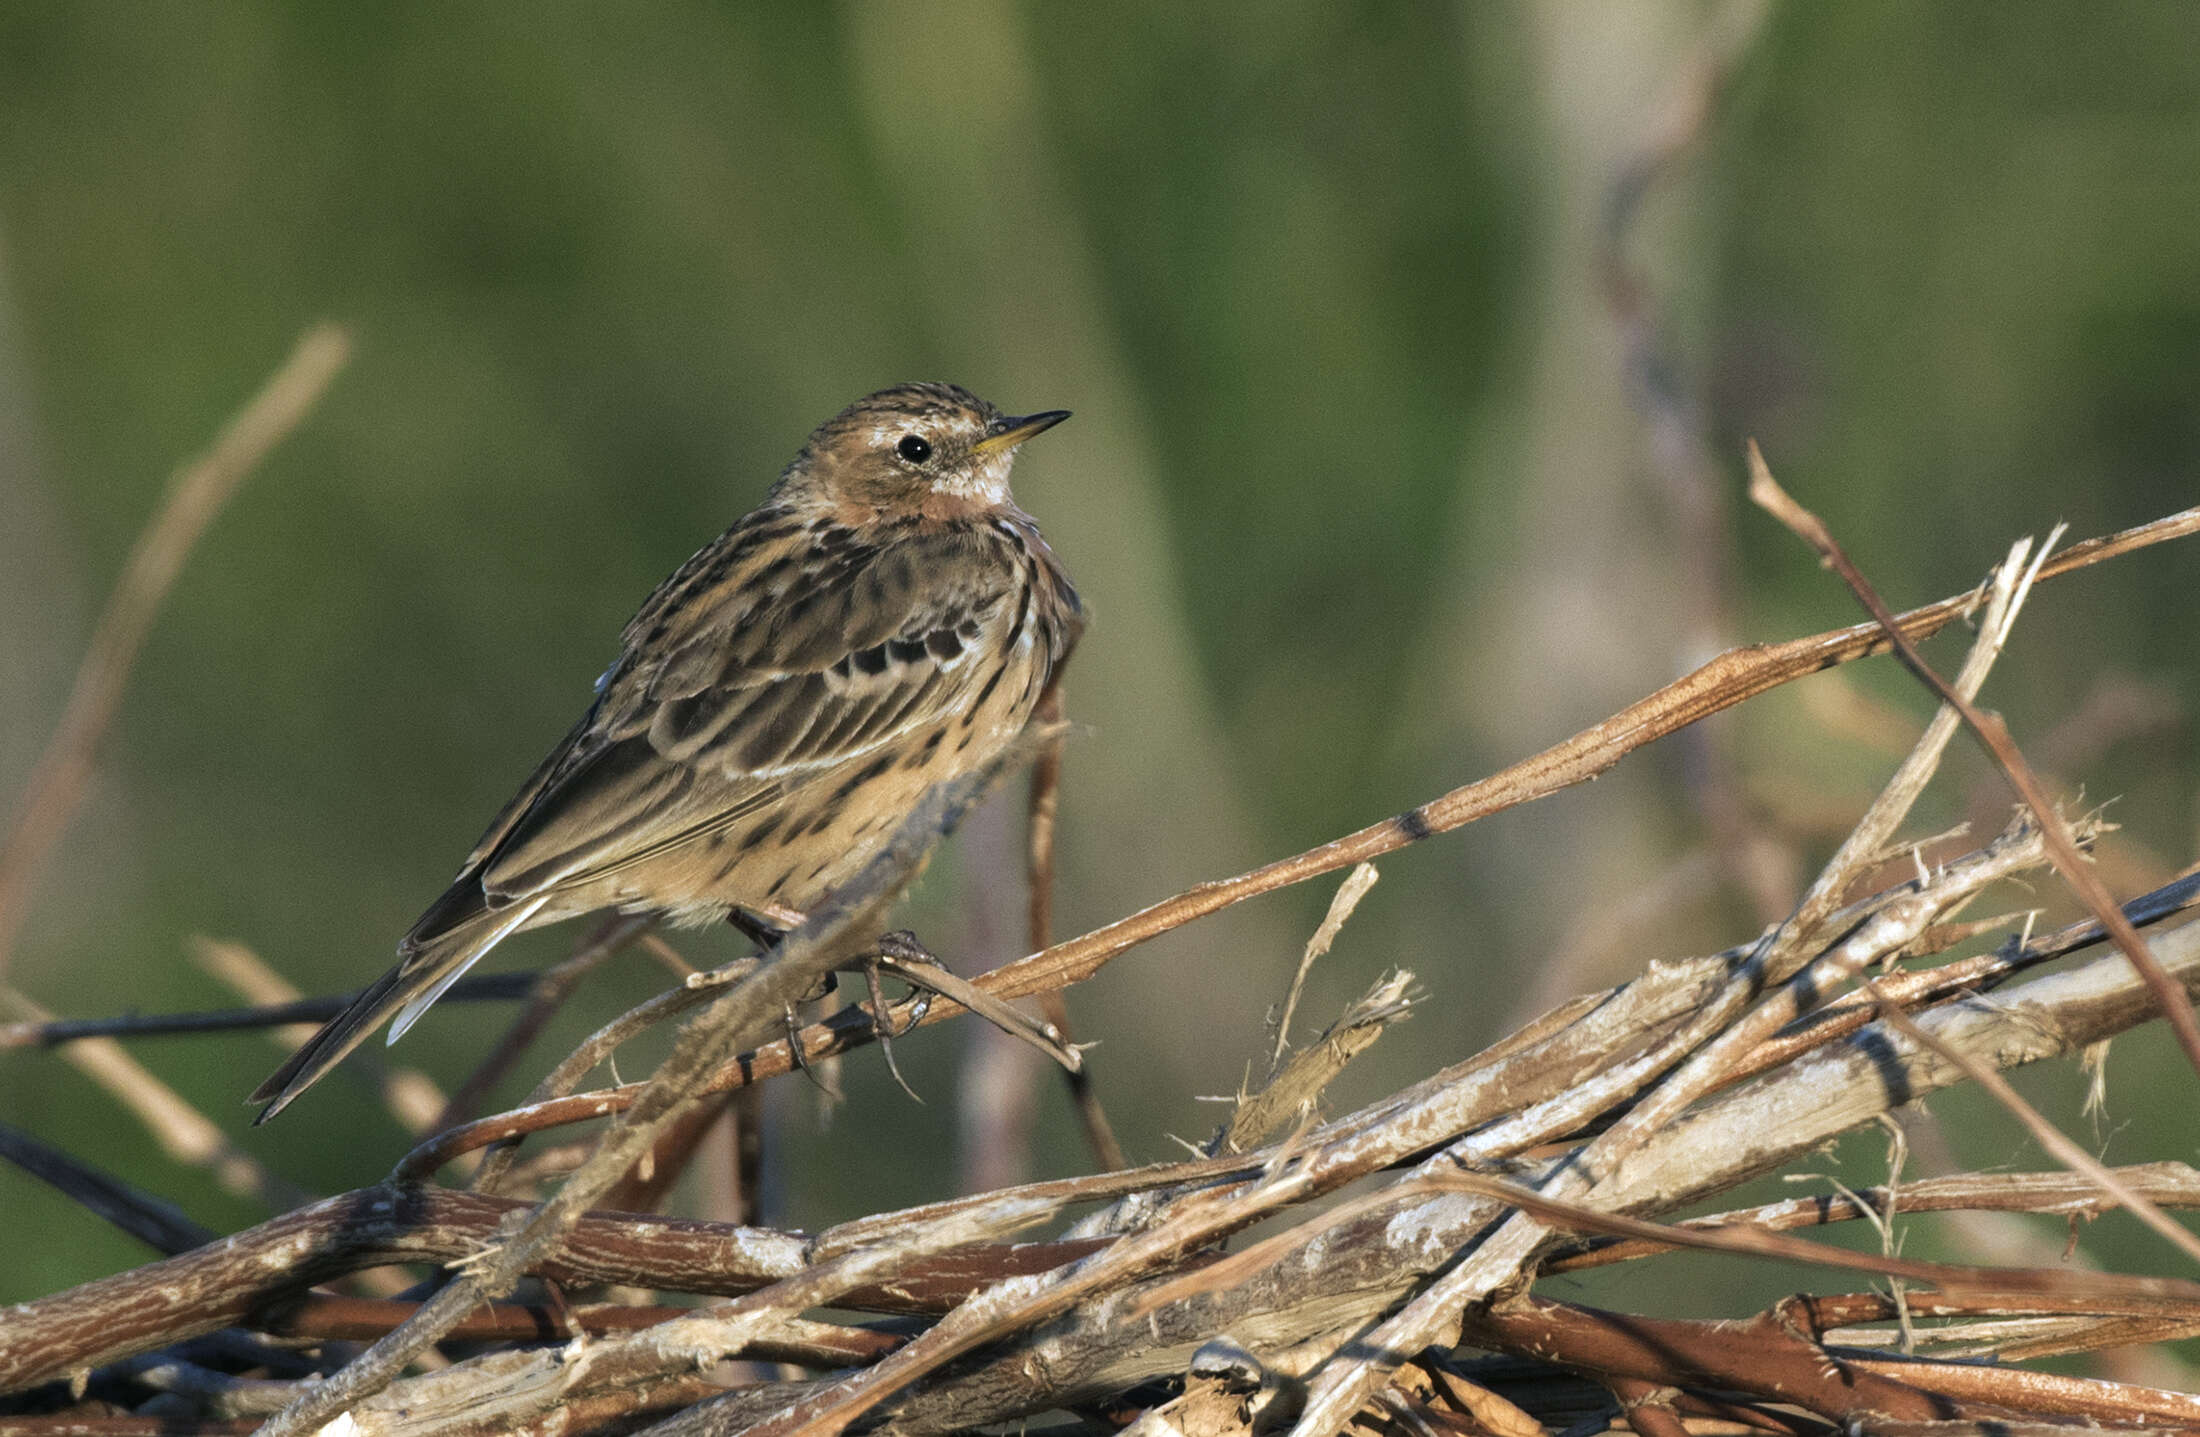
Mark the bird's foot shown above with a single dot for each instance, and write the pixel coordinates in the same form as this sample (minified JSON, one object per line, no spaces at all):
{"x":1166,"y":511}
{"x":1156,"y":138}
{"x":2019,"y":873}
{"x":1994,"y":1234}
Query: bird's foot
{"x":901,"y":954}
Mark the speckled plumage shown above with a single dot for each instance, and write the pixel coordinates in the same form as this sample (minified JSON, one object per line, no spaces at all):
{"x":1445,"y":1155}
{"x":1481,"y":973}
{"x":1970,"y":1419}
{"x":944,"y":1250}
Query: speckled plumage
{"x":880,"y":624}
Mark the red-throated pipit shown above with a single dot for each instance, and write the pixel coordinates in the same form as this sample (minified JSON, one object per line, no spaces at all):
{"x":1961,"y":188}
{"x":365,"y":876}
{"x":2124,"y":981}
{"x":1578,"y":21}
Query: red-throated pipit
{"x":887,"y":619}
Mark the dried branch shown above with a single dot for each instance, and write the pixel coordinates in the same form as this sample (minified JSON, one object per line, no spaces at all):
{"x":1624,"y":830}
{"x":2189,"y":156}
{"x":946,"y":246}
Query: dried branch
{"x":527,"y":1385}
{"x":2050,"y":1194}
{"x":1716,"y":1040}
{"x":214,"y":1286}
{"x":1766,"y":1359}
{"x":815,"y":1344}
{"x":2181,"y":1294}
{"x":261,"y":1274}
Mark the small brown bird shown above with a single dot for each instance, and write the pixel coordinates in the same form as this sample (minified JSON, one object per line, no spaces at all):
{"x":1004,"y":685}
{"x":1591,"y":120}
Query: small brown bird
{"x":886,"y":620}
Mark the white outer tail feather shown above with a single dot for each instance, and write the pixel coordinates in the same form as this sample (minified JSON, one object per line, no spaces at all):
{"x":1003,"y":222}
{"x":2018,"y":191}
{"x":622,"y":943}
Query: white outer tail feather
{"x":410,"y":1013}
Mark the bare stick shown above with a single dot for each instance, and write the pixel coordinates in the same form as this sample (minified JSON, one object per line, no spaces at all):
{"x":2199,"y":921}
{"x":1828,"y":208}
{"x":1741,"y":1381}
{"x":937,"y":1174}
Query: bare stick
{"x":525,"y":1384}
{"x":195,"y":495}
{"x":1760,"y":1242}
{"x":1764,"y":1357}
{"x":2046,"y":1193}
{"x":1336,"y":1281}
{"x":1191,"y":1223}
{"x":258,"y":1275}
{"x":324,"y":1318}
{"x":1342,"y":1387}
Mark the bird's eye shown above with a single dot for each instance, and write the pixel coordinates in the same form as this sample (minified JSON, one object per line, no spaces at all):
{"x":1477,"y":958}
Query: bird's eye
{"x":914,"y":447}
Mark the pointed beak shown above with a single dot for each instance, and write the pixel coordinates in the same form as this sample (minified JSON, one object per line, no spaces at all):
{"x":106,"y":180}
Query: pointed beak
{"x":1006,"y":433}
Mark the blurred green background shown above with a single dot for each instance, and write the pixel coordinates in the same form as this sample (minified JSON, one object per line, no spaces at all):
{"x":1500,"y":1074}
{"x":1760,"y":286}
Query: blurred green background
{"x":1412,"y":347}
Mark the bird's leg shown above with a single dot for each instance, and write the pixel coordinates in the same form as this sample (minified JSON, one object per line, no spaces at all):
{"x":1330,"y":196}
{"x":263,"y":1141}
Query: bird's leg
{"x":900,"y":954}
{"x":764,"y":926}
{"x":767,"y":927}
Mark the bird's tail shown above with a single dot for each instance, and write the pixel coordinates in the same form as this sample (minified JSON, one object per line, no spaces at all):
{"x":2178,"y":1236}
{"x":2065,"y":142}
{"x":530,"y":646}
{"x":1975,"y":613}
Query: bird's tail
{"x":419,"y":978}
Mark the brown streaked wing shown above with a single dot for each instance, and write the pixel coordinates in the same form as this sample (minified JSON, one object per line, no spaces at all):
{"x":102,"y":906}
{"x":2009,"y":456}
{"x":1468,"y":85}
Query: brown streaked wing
{"x":736,"y":704}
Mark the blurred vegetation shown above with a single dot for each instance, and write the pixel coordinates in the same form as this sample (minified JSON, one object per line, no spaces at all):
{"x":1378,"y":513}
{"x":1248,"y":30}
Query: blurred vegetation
{"x":1359,"y":487}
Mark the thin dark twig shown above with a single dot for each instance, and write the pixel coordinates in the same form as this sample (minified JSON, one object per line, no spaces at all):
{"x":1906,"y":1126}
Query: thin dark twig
{"x":1045,"y":802}
{"x":154,"y":1221}
{"x":1994,"y":734}
{"x":479,"y":987}
{"x":195,"y":496}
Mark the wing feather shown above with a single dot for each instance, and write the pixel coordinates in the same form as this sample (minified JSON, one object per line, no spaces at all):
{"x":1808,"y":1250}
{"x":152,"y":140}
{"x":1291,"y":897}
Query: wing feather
{"x":715,"y":712}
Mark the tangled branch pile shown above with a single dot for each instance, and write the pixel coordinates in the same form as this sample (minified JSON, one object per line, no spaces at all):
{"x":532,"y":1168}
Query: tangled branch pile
{"x":1409,"y":1308}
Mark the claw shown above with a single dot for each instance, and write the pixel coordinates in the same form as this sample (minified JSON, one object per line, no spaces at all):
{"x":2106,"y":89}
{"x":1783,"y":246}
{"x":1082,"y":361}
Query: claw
{"x":801,"y":1061}
{"x":882,"y":1027}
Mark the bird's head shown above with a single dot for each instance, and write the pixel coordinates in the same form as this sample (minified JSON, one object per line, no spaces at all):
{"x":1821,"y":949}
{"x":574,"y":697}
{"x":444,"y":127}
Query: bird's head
{"x":915,"y":446}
